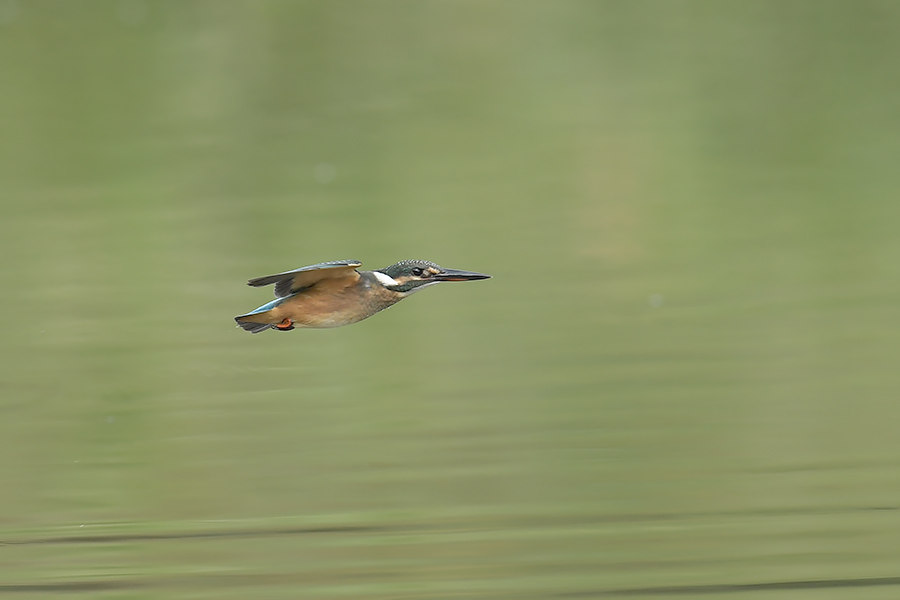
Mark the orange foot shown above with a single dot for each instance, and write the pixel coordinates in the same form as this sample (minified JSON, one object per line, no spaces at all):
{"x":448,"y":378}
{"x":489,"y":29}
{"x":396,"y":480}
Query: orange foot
{"x":285,"y":325}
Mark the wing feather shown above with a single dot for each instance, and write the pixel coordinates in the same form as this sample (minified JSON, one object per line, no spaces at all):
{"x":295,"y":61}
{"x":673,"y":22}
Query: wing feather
{"x":290,"y":281}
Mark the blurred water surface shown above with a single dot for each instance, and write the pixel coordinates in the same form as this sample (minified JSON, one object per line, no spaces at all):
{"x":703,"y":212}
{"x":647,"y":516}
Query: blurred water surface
{"x":682,"y":379}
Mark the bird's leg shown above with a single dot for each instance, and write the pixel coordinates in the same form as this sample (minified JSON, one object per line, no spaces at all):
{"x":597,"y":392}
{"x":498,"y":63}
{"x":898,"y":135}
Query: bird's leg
{"x":285,"y":325}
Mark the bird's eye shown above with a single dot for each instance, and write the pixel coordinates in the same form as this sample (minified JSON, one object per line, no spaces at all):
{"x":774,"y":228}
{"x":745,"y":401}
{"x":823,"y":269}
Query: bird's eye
{"x":417,"y":272}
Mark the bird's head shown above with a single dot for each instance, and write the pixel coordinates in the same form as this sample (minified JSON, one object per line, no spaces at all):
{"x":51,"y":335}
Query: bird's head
{"x":408,"y":276}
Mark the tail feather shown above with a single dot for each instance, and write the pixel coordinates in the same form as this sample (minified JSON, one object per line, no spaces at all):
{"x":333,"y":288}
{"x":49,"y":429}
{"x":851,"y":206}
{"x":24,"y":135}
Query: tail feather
{"x":252,"y":327}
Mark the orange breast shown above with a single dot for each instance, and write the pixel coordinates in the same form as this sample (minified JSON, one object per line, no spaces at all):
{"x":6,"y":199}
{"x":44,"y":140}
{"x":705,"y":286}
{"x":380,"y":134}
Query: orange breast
{"x":336,"y":302}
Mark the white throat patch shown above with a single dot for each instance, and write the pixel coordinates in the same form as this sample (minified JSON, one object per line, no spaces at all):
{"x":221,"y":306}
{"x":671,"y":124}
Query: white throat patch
{"x":384,"y":279}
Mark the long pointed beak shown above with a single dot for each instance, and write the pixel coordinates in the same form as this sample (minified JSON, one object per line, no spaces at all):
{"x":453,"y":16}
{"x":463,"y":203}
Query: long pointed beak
{"x":456,"y":275}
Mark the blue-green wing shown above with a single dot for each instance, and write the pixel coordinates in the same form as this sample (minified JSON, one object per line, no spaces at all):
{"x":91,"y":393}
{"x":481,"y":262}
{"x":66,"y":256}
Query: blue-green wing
{"x":290,"y":281}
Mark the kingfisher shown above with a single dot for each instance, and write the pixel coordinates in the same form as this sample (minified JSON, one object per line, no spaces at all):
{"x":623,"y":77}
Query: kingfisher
{"x":332,"y":294}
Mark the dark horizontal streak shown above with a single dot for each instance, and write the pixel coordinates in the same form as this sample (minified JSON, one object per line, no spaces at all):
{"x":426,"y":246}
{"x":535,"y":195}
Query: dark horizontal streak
{"x":196,"y":535}
{"x":71,"y":586}
{"x":584,"y":520}
{"x":650,"y":517}
{"x":682,"y":590}
{"x":724,"y":588}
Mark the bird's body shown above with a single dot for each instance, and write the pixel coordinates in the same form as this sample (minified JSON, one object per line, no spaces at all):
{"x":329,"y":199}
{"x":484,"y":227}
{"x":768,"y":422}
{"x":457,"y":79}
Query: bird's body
{"x":333,"y":294}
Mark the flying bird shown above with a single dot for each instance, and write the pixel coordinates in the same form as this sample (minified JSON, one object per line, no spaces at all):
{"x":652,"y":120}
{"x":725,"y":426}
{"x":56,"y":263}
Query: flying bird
{"x":332,"y":294}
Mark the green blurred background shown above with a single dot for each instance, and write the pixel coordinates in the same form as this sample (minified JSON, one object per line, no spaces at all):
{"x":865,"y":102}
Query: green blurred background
{"x":681,"y":380}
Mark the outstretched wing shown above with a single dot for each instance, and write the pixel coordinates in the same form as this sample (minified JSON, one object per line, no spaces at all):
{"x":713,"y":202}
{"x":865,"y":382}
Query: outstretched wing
{"x":290,"y":281}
